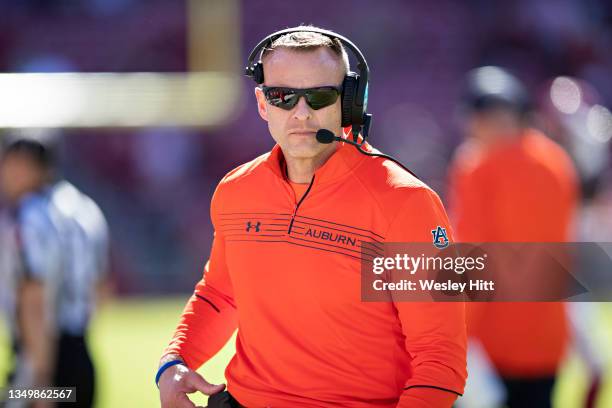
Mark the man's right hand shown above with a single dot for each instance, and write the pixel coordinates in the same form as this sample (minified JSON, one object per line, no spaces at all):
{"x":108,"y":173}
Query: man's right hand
{"x":178,"y":381}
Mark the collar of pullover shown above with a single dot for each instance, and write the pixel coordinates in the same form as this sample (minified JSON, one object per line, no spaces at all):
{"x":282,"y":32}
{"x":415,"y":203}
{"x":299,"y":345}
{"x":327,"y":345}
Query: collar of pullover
{"x":340,"y":164}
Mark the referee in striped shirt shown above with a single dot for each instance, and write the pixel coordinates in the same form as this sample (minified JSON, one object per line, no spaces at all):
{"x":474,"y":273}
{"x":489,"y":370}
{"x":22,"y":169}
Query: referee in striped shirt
{"x":54,"y":244}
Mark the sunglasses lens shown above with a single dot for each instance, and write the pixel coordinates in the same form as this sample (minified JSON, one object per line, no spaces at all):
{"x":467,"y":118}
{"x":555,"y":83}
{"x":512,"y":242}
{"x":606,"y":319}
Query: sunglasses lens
{"x":282,"y":98}
{"x":287,"y":98}
{"x":320,"y":98}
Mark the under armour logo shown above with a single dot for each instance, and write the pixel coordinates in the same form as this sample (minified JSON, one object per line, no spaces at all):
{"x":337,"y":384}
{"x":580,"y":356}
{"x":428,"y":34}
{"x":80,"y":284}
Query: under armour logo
{"x":249,"y":226}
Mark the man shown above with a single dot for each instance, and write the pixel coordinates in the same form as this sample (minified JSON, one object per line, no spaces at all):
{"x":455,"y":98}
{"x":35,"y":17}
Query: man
{"x":510,"y":183}
{"x":285,"y":263}
{"x":54,"y":245}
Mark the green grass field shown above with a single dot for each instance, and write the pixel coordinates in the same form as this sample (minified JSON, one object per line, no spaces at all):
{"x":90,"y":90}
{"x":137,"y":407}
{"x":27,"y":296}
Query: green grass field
{"x":128,"y":336}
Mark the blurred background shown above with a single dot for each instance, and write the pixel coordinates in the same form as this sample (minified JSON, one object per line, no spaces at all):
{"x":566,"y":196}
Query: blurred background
{"x":151,"y":109}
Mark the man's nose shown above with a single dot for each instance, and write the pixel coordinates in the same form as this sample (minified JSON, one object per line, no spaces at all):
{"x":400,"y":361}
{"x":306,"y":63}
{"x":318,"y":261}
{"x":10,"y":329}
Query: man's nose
{"x":302,"y":111}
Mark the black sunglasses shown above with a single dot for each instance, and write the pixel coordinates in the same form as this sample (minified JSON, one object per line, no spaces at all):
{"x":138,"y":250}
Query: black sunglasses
{"x":287,"y":98}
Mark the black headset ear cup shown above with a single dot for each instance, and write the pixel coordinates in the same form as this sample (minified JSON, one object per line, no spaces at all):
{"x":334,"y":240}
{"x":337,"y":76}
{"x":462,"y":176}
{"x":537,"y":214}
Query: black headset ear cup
{"x":258,"y":74}
{"x":349,"y":88}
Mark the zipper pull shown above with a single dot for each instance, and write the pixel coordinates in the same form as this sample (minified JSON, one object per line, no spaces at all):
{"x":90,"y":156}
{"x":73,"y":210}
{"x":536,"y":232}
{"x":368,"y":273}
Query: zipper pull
{"x":298,"y":205}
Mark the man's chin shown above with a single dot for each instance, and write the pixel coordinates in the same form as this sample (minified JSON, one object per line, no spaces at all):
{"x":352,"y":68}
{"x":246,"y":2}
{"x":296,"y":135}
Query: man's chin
{"x":304,"y":152}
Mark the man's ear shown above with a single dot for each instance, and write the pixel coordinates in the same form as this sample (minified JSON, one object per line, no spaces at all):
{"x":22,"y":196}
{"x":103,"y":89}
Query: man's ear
{"x":262,"y":105}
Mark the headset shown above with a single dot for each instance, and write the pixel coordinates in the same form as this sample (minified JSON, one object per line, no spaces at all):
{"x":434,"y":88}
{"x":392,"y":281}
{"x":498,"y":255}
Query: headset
{"x":354,"y":98}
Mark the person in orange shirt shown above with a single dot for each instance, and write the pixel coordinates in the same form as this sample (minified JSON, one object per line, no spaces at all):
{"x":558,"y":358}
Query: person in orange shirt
{"x":291,"y":228}
{"x":510,"y":183}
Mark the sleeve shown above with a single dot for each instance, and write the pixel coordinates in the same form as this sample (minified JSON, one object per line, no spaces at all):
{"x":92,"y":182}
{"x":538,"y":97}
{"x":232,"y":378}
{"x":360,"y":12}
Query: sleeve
{"x":210,"y":316}
{"x":101,"y":242}
{"x":435,"y":332}
{"x":39,"y":244}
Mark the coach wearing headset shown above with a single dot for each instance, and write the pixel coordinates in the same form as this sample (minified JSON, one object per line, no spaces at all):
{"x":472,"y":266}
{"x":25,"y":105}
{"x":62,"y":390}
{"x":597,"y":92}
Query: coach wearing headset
{"x":290,"y":229}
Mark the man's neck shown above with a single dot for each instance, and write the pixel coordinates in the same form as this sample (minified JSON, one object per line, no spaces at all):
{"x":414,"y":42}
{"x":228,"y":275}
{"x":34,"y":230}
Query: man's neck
{"x":301,"y":170}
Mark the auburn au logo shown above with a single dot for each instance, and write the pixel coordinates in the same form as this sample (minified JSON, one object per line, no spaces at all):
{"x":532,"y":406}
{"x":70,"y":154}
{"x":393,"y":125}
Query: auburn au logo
{"x":255,"y":226}
{"x":440,"y":239}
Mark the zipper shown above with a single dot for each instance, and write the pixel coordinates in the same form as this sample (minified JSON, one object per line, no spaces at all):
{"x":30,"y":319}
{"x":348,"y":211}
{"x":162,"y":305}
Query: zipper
{"x":299,"y":203}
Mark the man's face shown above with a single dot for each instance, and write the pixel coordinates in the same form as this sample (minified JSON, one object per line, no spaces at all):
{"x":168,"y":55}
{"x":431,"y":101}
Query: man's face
{"x":19,"y":175}
{"x":491,"y":126}
{"x":295,"y":130}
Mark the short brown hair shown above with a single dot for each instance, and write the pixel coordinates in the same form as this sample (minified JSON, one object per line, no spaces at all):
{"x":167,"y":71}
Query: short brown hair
{"x":308,"y":41}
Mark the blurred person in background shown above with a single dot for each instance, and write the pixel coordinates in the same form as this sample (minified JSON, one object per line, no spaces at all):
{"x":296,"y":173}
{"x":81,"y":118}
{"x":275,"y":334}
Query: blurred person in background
{"x":511,"y":183}
{"x":305,"y":338}
{"x":54,"y":252}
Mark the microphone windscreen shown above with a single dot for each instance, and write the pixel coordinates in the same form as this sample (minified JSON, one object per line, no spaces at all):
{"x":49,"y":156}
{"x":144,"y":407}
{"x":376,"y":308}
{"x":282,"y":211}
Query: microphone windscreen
{"x":325,"y":136}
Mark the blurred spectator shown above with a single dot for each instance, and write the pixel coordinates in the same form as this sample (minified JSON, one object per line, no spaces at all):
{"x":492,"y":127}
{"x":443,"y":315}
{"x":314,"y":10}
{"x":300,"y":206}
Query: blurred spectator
{"x":510,"y":183}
